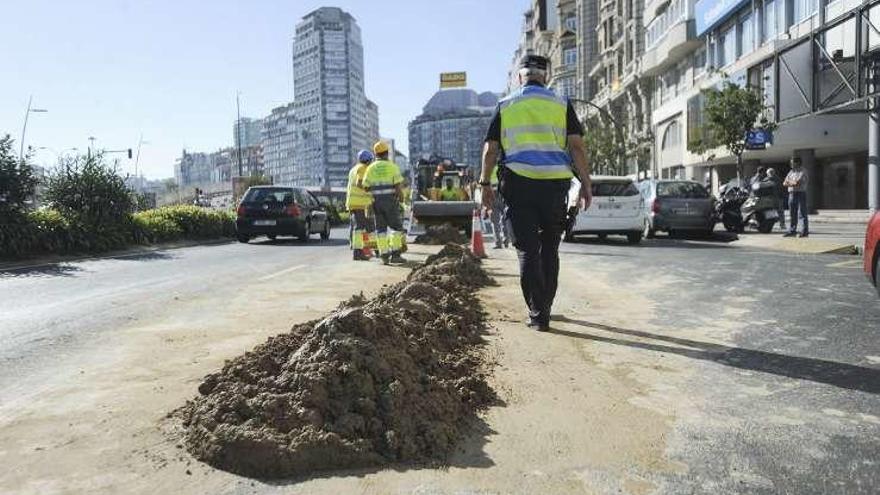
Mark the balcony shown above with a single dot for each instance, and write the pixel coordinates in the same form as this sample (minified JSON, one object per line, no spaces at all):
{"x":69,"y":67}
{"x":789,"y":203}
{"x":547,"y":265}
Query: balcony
{"x":678,"y":41}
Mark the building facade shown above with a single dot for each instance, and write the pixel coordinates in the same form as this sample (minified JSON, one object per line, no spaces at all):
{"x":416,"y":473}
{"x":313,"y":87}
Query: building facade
{"x":279,"y":145}
{"x":766,"y":45}
{"x":453,"y":125}
{"x":373,"y":133}
{"x":329,"y":99}
{"x":248,"y":130}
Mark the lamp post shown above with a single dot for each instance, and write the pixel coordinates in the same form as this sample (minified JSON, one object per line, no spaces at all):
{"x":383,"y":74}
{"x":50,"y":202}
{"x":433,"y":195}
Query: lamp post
{"x":29,"y":111}
{"x":137,"y":158}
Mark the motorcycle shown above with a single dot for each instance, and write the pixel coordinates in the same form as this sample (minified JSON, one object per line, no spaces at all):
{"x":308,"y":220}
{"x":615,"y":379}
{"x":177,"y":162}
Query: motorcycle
{"x":761,"y":209}
{"x":728,"y":208}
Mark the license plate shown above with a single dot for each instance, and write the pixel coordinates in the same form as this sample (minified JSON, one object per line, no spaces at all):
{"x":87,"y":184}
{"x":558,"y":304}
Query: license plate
{"x":264,"y":223}
{"x":610,"y":207}
{"x":771,"y":214}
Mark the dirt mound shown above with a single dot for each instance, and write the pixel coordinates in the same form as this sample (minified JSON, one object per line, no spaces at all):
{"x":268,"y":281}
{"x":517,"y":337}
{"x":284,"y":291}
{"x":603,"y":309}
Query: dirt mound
{"x":392,"y":379}
{"x":441,"y":234}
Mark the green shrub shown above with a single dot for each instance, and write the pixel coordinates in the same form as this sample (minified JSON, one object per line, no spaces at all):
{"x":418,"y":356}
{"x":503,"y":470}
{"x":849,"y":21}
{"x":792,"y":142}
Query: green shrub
{"x":92,"y":194}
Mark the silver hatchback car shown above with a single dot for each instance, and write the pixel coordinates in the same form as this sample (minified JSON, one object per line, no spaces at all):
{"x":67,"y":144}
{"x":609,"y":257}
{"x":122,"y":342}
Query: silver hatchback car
{"x":675,"y":205}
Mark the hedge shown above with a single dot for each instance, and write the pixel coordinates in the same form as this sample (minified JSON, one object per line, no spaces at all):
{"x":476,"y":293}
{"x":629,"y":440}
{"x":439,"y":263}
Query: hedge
{"x":47,"y":231}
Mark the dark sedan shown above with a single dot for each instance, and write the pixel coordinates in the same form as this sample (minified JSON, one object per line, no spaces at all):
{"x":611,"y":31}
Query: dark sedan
{"x":677,"y":206}
{"x":280,"y":211}
{"x":872,"y":250}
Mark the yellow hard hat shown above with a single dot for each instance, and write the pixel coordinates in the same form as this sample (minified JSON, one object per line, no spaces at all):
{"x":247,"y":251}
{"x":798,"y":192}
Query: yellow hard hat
{"x":380,"y":147}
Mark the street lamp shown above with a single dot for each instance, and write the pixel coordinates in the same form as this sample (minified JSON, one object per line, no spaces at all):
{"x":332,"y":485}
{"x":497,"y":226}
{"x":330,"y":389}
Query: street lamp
{"x":58,"y":154}
{"x":29,"y":111}
{"x":138,"y":157}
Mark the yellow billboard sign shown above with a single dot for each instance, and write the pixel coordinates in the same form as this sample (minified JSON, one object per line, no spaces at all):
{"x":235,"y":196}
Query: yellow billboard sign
{"x":453,"y":80}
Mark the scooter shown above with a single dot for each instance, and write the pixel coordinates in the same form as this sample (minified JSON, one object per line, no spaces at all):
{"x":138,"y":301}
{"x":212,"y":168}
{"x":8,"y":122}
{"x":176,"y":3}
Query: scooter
{"x":728,"y":208}
{"x":761,"y":209}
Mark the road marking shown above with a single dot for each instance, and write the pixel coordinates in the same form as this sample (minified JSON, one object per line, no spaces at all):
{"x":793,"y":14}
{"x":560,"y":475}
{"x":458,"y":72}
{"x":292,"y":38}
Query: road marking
{"x":846,"y":264}
{"x":282,"y":272}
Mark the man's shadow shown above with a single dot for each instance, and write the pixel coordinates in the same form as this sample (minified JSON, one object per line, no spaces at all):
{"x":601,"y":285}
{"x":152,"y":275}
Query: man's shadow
{"x":841,"y":375}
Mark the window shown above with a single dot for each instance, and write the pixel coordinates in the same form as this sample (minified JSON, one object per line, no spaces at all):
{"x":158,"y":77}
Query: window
{"x":803,"y":9}
{"x":771,"y":26}
{"x":671,"y":136}
{"x":616,"y":188}
{"x":687,"y":190}
{"x":569,"y":56}
{"x":746,"y":40}
{"x":727,"y":46}
{"x":571,"y":23}
{"x":699,"y":61}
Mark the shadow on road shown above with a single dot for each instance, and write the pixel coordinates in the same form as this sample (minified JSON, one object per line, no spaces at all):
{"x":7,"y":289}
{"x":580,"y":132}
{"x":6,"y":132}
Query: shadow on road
{"x":817,"y":370}
{"x":49,"y":270}
{"x":291,"y":241}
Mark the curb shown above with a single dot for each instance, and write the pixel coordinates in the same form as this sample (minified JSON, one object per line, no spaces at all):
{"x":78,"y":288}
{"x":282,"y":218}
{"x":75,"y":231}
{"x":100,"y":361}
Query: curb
{"x":49,"y":260}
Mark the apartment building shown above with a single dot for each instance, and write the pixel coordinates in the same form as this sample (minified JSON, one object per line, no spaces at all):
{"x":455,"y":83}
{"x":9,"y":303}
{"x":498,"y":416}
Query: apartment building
{"x":799,"y":54}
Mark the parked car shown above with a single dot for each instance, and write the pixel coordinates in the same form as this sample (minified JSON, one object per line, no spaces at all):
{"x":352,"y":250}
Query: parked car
{"x":677,"y":206}
{"x":872,"y":251}
{"x":273,"y":211}
{"x":617,"y":209}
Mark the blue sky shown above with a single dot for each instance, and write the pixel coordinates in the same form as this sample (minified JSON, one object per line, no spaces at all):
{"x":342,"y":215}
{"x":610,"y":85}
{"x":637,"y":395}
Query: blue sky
{"x":169,"y":69}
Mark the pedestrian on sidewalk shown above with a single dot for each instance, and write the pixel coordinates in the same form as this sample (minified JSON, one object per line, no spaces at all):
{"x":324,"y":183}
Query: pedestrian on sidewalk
{"x":357,"y":201}
{"x":496,"y":215}
{"x":797,"y":182}
{"x":539,"y":138}
{"x":385,"y":183}
{"x":778,"y":195}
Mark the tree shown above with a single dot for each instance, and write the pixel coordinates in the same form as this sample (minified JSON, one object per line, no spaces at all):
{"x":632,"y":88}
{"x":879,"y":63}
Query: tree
{"x":609,"y":149}
{"x":730,"y":114}
{"x":17,"y":180}
{"x":91,"y":192}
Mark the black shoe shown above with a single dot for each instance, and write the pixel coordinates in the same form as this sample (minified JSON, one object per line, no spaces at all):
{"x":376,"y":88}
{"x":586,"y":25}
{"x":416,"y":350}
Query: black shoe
{"x":360,"y":256}
{"x":397,"y":258}
{"x":385,"y":259}
{"x":789,"y":234}
{"x":804,"y":234}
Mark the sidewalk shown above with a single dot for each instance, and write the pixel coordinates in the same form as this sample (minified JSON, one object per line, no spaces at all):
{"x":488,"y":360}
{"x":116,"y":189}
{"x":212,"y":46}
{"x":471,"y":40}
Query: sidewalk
{"x":825,"y":238}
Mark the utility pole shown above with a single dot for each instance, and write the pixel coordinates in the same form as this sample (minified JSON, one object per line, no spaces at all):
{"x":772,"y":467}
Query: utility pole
{"x":238,"y":129}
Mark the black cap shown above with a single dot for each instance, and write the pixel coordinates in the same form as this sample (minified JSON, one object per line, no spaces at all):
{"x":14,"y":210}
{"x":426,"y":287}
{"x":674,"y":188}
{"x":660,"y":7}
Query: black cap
{"x":534,"y":62}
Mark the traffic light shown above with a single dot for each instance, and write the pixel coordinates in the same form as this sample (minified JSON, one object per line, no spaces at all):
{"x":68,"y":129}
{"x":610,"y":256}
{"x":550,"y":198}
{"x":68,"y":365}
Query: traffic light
{"x":129,"y":153}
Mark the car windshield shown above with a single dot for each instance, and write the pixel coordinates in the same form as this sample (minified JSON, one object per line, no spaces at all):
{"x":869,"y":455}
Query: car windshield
{"x":269,"y":195}
{"x":614,"y":189}
{"x":686,"y":190}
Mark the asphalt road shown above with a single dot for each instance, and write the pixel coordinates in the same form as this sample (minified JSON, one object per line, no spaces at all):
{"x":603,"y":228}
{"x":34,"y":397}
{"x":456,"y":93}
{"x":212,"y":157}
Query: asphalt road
{"x":766,"y":365}
{"x":790,"y":403}
{"x":51,"y":312}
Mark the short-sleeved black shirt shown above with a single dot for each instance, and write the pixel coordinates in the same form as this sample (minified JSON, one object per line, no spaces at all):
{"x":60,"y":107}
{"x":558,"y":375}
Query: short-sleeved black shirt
{"x":572,"y":124}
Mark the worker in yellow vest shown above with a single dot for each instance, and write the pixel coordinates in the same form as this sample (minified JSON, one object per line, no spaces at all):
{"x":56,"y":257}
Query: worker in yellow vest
{"x":449,"y":193}
{"x":357,"y":200}
{"x":539,"y":139}
{"x":385,"y":183}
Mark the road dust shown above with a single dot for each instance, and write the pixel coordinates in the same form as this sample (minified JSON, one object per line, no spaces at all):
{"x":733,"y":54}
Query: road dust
{"x":390,"y":380}
{"x":438,"y":235}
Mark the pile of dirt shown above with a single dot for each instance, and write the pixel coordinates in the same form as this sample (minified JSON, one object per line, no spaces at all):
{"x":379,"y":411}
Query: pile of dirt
{"x":437,"y":235}
{"x":393,"y":379}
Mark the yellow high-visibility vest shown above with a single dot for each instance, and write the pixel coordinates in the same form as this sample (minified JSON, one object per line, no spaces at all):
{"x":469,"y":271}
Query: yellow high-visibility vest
{"x":357,"y":198}
{"x":533,"y":134}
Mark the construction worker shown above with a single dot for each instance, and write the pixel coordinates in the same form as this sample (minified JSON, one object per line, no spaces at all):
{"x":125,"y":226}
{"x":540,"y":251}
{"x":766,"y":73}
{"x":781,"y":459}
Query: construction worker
{"x":385,"y":184}
{"x":357,"y":201}
{"x":448,"y":193}
{"x":499,"y":226}
{"x":538,"y":137}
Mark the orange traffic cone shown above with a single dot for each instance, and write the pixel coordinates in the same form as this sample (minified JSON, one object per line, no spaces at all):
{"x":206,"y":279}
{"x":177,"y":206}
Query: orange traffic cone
{"x":477,"y":246}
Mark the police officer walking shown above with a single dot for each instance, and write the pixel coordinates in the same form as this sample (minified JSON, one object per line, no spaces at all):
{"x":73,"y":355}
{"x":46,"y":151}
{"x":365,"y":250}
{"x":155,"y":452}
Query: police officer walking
{"x":357,"y":200}
{"x":539,"y":139}
{"x":385,"y":184}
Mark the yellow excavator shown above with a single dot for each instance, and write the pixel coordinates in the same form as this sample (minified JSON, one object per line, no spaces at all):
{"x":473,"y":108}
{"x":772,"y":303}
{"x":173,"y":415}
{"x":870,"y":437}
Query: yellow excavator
{"x":442,"y":193}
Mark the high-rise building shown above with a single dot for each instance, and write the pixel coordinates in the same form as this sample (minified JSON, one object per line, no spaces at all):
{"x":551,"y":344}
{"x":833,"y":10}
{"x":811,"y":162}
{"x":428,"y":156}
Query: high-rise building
{"x":372,"y":123}
{"x":279,"y":145}
{"x":248,"y":130}
{"x":329,"y":99}
{"x":453,"y":125}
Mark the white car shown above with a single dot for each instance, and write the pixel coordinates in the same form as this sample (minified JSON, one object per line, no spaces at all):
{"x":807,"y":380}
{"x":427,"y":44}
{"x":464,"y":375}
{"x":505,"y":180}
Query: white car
{"x":618,"y":209}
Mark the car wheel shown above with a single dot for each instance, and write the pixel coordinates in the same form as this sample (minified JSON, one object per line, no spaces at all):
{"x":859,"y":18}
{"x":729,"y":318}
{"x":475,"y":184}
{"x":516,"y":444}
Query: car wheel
{"x":325,"y":234}
{"x":634,"y":238}
{"x":307,"y":231}
{"x":877,"y":270}
{"x":243,"y":239}
{"x":603,"y":237}
{"x":271,"y":237}
{"x":766,"y":226}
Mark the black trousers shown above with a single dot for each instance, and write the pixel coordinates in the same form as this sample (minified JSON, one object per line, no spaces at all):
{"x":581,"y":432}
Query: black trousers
{"x":536,"y":210}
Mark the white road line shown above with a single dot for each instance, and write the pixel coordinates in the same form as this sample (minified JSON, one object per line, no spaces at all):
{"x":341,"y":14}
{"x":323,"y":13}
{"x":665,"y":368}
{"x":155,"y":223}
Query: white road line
{"x":282,"y":272}
{"x":846,"y":264}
